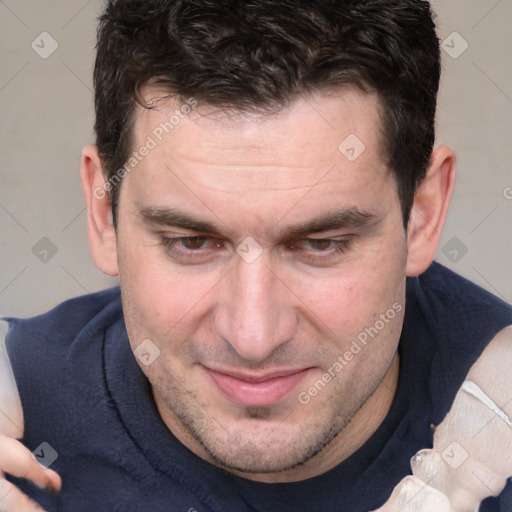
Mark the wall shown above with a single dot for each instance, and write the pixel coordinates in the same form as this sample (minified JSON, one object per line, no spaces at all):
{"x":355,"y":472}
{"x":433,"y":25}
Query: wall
{"x":47,"y":116}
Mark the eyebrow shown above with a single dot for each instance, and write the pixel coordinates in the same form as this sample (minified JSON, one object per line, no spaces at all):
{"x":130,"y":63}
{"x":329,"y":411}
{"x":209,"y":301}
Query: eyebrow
{"x":350,"y":218}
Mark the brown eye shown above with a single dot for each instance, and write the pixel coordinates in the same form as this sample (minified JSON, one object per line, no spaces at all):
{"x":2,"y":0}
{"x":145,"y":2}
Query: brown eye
{"x":320,"y":251}
{"x":189,"y":250}
{"x":193,"y":242}
{"x":320,"y":244}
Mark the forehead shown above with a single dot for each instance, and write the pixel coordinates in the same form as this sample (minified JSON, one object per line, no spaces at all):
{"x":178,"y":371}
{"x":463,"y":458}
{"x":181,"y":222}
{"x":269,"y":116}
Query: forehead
{"x":326,"y":137}
{"x":320,"y":120}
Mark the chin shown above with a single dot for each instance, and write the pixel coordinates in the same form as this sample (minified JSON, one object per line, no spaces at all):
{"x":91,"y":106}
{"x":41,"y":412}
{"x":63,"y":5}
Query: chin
{"x":258,"y":445}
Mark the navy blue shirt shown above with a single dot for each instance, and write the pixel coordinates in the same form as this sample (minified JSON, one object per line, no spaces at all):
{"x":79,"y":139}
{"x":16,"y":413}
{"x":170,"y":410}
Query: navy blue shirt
{"x":84,"y":394}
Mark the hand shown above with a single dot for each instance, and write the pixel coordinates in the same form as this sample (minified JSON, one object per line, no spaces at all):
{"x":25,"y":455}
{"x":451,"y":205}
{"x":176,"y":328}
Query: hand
{"x":413,"y":495}
{"x":15,"y":458}
{"x":472,"y":454}
{"x":18,"y":461}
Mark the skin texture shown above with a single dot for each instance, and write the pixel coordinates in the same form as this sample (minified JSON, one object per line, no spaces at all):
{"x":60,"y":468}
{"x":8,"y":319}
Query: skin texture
{"x":298,"y":306}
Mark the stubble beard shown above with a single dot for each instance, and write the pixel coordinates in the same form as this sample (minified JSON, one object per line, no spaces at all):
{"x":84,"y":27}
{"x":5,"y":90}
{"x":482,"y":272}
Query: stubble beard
{"x":266,"y":441}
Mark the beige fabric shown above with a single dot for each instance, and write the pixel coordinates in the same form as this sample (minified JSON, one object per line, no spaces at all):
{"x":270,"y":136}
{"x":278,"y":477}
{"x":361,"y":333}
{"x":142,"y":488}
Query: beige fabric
{"x":472,"y":454}
{"x":11,"y":414}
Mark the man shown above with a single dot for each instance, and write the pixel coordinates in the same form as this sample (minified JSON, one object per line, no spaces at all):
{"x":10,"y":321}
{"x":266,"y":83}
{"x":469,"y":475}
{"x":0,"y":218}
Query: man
{"x":265,"y":185}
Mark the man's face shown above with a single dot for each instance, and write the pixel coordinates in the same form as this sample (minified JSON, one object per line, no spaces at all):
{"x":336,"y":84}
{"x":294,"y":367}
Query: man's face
{"x":253,"y":253}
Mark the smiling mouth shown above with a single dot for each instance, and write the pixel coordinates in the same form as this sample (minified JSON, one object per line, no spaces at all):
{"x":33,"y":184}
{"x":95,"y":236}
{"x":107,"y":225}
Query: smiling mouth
{"x":248,"y":390}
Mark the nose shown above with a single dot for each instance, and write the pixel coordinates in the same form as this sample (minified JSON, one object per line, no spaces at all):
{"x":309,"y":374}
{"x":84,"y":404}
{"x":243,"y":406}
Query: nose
{"x":255,"y":313}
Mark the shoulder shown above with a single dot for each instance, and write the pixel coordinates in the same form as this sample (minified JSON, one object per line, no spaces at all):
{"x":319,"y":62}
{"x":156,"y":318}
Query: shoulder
{"x":446,"y":291}
{"x":499,"y":349}
{"x":45,"y":349}
{"x":459,"y":315}
{"x":455,"y":310}
{"x":450,"y":321}
{"x":63,"y":323}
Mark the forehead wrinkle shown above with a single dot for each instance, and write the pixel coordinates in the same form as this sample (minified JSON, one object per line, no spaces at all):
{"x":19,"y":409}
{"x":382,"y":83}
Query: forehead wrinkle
{"x":265,"y":139}
{"x":214,"y":189}
{"x":261,"y":174}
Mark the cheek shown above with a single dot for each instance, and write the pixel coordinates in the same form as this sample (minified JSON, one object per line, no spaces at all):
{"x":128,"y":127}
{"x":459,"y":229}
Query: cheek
{"x":347,"y":302}
{"x":160,"y":300}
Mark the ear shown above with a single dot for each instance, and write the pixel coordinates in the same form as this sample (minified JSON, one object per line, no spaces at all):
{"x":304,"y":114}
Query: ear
{"x":102,"y":235}
{"x":429,"y":211}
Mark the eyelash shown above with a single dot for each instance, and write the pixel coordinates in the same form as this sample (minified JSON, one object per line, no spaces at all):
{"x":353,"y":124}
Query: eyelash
{"x":339,"y":247}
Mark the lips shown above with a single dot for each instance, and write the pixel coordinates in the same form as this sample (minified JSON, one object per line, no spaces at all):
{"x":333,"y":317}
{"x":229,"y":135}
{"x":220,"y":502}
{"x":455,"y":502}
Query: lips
{"x":256,"y":390}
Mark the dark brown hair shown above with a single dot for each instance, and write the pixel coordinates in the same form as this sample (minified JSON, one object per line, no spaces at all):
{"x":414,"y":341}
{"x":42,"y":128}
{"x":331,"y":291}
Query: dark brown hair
{"x":261,"y":54}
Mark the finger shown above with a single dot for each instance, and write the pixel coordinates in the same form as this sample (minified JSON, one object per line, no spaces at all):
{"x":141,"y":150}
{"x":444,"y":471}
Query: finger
{"x":18,"y":461}
{"x":13,"y":500}
{"x":413,"y":495}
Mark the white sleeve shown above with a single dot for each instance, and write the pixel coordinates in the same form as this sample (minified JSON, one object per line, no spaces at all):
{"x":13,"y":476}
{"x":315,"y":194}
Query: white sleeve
{"x":11,"y":413}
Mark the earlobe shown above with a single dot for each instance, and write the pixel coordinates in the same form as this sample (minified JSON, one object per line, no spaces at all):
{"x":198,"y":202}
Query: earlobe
{"x":429,"y":211}
{"x":101,"y":231}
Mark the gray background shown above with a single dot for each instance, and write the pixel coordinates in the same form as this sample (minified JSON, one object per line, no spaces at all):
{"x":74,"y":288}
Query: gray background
{"x":47,"y":116}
